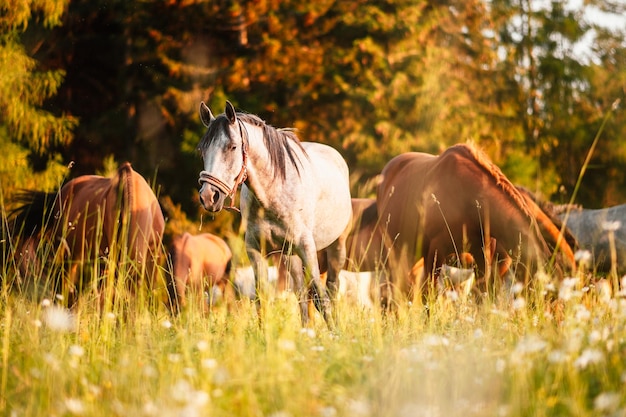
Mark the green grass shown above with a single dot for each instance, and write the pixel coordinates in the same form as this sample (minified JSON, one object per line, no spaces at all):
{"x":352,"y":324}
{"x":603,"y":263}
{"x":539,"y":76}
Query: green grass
{"x":499,"y":358}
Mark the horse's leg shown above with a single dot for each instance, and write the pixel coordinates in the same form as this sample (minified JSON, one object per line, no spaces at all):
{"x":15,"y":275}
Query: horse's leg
{"x":311,"y":268}
{"x":335,"y":258}
{"x":259,"y":266}
{"x":295,"y":269}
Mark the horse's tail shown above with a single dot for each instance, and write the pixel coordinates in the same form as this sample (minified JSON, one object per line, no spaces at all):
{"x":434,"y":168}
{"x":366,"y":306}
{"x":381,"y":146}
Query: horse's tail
{"x":121,"y":191}
{"x":125,"y":190}
{"x":33,"y":212}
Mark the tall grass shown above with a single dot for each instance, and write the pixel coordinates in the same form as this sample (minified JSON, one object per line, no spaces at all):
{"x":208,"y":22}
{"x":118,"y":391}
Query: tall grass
{"x":508,"y":356}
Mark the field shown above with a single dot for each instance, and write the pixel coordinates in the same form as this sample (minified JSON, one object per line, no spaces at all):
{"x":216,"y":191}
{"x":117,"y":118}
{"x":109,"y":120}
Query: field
{"x":511,"y":355}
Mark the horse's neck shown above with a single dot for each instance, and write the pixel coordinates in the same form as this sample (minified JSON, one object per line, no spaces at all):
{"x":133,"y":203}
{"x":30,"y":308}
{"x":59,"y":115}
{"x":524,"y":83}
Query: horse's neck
{"x":264,"y":180}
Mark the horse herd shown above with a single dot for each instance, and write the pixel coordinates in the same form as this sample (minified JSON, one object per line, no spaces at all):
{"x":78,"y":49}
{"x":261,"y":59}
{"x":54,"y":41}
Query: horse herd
{"x":432,"y":214}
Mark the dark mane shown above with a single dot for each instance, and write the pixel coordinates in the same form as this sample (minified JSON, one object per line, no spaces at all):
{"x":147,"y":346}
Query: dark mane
{"x":279,"y":142}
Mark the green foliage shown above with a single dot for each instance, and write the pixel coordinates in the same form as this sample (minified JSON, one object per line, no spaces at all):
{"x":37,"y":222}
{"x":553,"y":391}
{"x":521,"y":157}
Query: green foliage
{"x":372,"y":79}
{"x":28,"y":132}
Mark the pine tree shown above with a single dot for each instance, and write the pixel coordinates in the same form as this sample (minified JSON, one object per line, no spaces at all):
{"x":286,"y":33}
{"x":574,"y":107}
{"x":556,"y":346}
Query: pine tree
{"x":29,"y":133}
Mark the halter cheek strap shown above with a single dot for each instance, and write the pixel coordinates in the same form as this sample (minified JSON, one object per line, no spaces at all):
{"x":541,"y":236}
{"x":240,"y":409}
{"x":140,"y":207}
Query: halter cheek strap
{"x":205,"y":177}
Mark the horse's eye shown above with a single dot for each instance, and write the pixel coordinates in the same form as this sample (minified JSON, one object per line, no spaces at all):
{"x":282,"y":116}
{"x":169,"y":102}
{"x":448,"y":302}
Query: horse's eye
{"x":233,"y":147}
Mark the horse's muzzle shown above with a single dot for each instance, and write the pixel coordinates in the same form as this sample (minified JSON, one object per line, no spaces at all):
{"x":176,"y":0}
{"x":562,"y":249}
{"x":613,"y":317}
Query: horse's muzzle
{"x":211,"y":197}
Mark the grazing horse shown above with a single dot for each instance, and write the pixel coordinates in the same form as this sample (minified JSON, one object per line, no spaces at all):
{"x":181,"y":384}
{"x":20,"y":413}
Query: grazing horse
{"x":594,"y":230}
{"x":199,"y":262}
{"x":295,"y":197}
{"x":91,"y":216}
{"x":456,"y":203}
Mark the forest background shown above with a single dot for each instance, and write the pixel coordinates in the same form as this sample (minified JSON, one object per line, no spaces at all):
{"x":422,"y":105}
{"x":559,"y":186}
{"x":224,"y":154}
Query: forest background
{"x":87,"y":84}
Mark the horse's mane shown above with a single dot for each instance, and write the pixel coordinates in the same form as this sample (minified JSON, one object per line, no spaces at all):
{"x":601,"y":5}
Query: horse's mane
{"x":548,"y":230}
{"x":482,"y":160}
{"x":277,"y":141}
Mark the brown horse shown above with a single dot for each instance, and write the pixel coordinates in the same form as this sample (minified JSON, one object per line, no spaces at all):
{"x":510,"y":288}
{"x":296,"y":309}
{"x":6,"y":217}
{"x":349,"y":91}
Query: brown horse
{"x":92,"y":216}
{"x":199,"y":262}
{"x":456,"y":203}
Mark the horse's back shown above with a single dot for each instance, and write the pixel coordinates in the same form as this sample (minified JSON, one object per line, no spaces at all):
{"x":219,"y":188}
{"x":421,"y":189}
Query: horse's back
{"x":203,"y":254}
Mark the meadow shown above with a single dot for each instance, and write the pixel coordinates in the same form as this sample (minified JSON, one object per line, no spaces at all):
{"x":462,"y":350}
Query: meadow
{"x":557,"y":350}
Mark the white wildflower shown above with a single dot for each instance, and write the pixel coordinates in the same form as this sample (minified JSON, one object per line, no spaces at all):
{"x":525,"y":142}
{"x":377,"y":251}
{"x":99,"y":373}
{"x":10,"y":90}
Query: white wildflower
{"x":202,"y":345}
{"x":519,"y":303}
{"x":567,"y":290}
{"x":359,"y":408}
{"x":76,"y":351}
{"x":530,"y":344}
{"x":606,"y":402}
{"x":435,"y":340}
{"x":181,"y":391}
{"x":287,"y":345}
{"x":328,"y":411}
{"x":583,"y":257}
{"x":74,"y":406}
{"x":174,"y":357}
{"x":517,"y":288}
{"x":557,"y":356}
{"x":588,"y":357}
{"x":166,"y":324}
{"x":59,"y":319}
{"x":209,"y":363}
{"x":308,"y":332}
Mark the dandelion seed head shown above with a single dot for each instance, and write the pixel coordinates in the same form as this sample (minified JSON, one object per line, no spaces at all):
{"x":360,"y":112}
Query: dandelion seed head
{"x":166,"y":324}
{"x":46,"y":302}
{"x":59,"y":319}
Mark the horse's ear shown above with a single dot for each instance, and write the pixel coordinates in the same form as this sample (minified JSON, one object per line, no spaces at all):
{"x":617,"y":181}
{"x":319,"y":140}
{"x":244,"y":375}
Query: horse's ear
{"x":205,"y":114}
{"x":230,"y":113}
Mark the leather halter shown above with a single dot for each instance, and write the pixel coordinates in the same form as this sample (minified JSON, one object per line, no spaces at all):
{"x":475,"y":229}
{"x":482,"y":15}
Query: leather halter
{"x":205,"y":177}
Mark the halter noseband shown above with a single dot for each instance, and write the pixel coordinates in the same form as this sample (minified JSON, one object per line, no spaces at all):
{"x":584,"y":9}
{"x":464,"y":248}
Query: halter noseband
{"x":205,"y":177}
